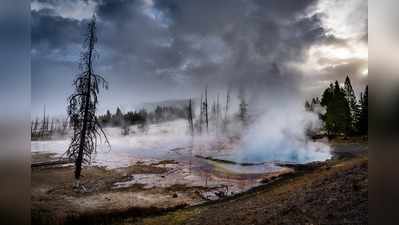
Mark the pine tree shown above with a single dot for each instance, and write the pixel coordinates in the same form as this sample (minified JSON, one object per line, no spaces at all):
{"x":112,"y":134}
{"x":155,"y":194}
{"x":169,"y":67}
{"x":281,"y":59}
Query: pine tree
{"x":363,"y":118}
{"x":353,"y":106}
{"x":337,"y":118}
{"x":82,"y":107}
{"x":343,"y":115}
{"x":118,"y":117}
{"x":307,"y":106}
{"x":158,"y":113}
{"x":108,"y":116}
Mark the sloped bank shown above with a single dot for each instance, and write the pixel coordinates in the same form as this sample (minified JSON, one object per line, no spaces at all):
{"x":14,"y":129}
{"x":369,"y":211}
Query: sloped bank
{"x":335,"y":193}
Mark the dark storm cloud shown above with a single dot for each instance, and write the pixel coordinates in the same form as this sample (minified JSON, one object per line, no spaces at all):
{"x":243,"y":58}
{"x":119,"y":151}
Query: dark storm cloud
{"x":254,"y":34}
{"x":149,"y":48}
{"x":50,"y":31}
{"x":118,"y":11}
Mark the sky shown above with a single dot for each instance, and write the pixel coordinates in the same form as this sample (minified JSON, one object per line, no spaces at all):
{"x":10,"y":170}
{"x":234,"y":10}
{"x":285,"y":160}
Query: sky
{"x":154,"y":50}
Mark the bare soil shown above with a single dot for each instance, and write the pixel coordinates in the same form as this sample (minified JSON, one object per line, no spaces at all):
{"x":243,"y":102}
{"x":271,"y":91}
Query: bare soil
{"x":336,"y":193}
{"x":55,"y":202}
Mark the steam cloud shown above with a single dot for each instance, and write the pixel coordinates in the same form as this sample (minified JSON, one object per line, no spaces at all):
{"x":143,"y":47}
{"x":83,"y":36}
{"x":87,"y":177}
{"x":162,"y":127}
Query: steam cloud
{"x":280,"y":135}
{"x":180,"y":47}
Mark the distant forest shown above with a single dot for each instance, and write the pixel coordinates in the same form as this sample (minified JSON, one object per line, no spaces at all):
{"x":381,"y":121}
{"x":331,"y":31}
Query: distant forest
{"x":213,"y":115}
{"x":338,"y":107}
{"x":160,"y":114}
{"x":340,"y":110}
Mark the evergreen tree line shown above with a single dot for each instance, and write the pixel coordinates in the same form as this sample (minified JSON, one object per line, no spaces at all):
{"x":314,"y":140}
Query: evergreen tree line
{"x":344,"y":113}
{"x":160,"y":114}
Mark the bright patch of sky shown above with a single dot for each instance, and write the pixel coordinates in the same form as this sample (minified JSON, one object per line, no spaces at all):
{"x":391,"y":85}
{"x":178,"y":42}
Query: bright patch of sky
{"x":344,"y":18}
{"x":324,"y":56}
{"x":78,"y":10}
{"x":154,"y":14}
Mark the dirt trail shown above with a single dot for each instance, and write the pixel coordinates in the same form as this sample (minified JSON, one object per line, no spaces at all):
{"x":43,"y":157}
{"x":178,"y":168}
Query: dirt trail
{"x":336,"y":193}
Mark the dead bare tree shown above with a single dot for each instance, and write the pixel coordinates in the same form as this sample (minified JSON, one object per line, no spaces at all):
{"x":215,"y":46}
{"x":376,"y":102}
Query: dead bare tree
{"x":243,"y":111}
{"x":64,"y":126}
{"x":201,"y":116}
{"x":206,"y":109}
{"x":243,"y":108}
{"x":82,"y":107}
{"x":226,"y":111}
{"x":227,"y":104}
{"x":43,"y":128}
{"x":51,"y":127}
{"x":36,"y":125}
{"x":190,"y":116}
{"x":217,"y":113}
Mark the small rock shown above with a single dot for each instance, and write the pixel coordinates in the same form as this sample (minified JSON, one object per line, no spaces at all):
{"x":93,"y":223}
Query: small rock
{"x":174,"y":195}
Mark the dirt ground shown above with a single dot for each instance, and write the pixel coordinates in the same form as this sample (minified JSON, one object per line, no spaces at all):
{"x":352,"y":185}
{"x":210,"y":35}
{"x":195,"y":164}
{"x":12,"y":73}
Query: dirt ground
{"x":333,"y":192}
{"x":55,"y":202}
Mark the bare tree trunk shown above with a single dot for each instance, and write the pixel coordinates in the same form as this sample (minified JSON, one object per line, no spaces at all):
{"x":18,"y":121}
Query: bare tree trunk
{"x":191,"y":124}
{"x":206,"y":110}
{"x":226,"y":111}
{"x":64,"y":127}
{"x":78,"y":163}
{"x":51,"y":127}
{"x":217,"y":114}
{"x":35,"y":126}
{"x":201,"y":116}
{"x":227,"y":104}
{"x":82,"y":108}
{"x":190,"y":117}
{"x":43,"y":130}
